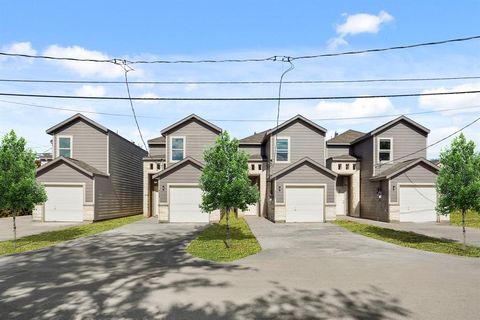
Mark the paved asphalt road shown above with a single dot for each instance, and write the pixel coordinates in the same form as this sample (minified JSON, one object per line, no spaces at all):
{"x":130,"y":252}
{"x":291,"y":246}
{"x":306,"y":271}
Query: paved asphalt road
{"x":316,"y":271}
{"x":26,"y":227}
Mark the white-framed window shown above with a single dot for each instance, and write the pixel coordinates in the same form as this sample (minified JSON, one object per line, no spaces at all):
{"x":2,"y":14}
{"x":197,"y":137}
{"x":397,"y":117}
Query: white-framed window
{"x":64,"y":146}
{"x":177,"y":149}
{"x":282,"y":149}
{"x":384,"y":149}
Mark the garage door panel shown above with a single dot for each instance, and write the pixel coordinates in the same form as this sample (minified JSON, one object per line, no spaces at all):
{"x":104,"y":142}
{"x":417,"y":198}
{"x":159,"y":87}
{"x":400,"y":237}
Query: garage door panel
{"x":305,"y":204}
{"x":417,"y":204}
{"x":64,"y":203}
{"x":184,"y":205}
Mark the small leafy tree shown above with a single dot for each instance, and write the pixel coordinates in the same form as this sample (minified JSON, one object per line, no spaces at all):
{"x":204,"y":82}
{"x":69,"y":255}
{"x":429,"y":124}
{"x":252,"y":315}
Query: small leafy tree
{"x":224,"y":181}
{"x":18,"y":188}
{"x":458,"y":182}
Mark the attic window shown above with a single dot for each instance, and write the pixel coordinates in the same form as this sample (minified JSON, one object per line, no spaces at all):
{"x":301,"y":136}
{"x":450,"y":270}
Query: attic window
{"x":384,"y":149}
{"x":65,"y":147}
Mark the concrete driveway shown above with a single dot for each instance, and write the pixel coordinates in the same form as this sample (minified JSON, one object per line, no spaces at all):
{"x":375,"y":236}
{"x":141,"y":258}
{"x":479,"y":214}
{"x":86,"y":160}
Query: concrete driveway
{"x":318,"y":271}
{"x":27,"y":227}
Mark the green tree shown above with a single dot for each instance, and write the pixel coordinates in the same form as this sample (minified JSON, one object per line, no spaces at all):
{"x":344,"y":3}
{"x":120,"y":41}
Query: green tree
{"x":224,"y":181}
{"x":458,"y":182}
{"x":18,"y":188}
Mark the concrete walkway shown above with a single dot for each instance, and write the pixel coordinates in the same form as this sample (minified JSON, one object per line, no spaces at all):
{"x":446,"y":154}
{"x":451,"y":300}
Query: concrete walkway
{"x":27,"y":227}
{"x":432,"y":229}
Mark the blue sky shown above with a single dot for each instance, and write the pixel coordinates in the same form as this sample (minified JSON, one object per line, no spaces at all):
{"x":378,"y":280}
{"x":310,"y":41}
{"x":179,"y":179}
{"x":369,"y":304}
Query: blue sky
{"x":228,"y":29}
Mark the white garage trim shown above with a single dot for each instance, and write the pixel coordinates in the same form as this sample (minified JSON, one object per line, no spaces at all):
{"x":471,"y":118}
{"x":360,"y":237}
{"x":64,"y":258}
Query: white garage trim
{"x":306,"y":185}
{"x":182,"y":185}
{"x":286,"y":185}
{"x":405,"y":184}
{"x":68,"y":184}
{"x":72,"y":184}
{"x":420,"y":205}
{"x":175,"y":184}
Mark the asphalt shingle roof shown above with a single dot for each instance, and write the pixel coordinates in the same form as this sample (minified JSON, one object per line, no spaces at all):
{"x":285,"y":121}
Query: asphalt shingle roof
{"x":346,"y":137}
{"x":256,"y":138}
{"x":157,"y":140}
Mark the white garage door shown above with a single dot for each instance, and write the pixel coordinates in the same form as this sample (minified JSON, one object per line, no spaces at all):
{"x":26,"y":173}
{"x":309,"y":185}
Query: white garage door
{"x":417,"y":204}
{"x":304,"y":204}
{"x":64,"y":203}
{"x":184,"y":203}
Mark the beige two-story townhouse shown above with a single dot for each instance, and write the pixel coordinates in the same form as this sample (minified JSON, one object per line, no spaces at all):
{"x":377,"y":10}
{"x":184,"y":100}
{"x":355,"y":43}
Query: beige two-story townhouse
{"x":95,"y":174}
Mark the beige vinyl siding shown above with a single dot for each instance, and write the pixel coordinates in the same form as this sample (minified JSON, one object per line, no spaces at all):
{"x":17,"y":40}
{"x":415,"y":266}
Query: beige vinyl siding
{"x":157,"y":150}
{"x":187,"y":173}
{"x":418,"y":174}
{"x":255,"y":150}
{"x":405,"y":140}
{"x":199,"y":137}
{"x":304,"y":142}
{"x":61,"y":172}
{"x":334,"y":151}
{"x":122,"y":193}
{"x":89,"y":144}
{"x":305,"y":174}
{"x":370,"y":206}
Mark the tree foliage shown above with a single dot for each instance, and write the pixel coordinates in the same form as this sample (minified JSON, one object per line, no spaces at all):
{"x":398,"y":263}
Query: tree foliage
{"x":458,"y":182}
{"x":19,"y":190}
{"x":224,"y":181}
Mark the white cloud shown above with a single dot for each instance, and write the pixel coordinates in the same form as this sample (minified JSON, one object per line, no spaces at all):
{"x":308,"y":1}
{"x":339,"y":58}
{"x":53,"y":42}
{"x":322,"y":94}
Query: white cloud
{"x":359,"y":23}
{"x":452,"y":101}
{"x":334,"y":109}
{"x":90,"y":91}
{"x":84,"y":69}
{"x":363,"y":23}
{"x":20,"y":48}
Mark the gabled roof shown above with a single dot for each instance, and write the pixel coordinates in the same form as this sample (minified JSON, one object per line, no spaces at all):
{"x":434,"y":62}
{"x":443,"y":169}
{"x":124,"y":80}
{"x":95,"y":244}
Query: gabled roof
{"x":391,"y":123}
{"x":77,"y":164}
{"x":157,"y":140}
{"x":402,"y":167}
{"x":254,"y":139}
{"x":179,"y":164}
{"x":259,"y":138}
{"x":345,"y":138}
{"x":191,"y":117}
{"x":73,"y":118}
{"x":301,"y":162}
{"x":298,"y":117}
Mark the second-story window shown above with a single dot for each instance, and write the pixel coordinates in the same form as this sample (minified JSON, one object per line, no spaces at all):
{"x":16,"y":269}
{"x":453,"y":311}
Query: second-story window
{"x":65,"y":146}
{"x":384,"y":149}
{"x":283,"y":148}
{"x":177,"y":148}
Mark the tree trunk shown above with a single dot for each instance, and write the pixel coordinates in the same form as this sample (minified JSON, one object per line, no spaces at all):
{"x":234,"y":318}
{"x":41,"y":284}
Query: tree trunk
{"x":14,"y":229}
{"x":464,"y":246}
{"x":228,"y":241}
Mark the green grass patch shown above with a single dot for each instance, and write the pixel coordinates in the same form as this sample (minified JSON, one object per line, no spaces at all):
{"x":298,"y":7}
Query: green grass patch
{"x":472,"y":219}
{"x":410,"y":239}
{"x":50,"y":238}
{"x":210,"y":243}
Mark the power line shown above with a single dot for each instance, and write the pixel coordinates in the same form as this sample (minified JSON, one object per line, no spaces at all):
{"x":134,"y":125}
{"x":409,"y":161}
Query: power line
{"x":127,"y":69}
{"x":410,"y":46}
{"x":272,"y":58}
{"x":242,"y":82}
{"x":244,"y":120}
{"x":399,"y":95}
